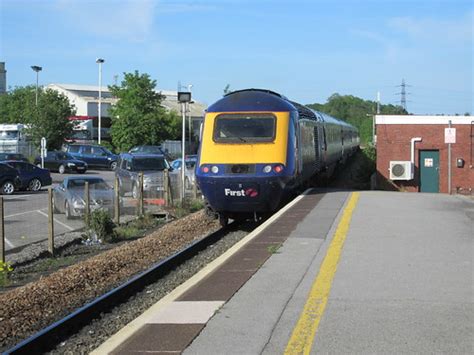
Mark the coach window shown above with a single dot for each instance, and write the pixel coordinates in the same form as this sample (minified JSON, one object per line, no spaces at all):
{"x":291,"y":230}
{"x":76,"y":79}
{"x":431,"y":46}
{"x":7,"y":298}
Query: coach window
{"x":244,"y":128}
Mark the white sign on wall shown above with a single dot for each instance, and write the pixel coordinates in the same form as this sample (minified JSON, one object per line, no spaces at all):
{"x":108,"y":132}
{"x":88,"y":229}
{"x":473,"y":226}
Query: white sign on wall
{"x":450,"y":135}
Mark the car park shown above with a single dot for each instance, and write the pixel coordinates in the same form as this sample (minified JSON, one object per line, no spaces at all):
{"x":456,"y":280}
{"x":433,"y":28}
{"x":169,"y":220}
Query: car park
{"x":12,"y":156}
{"x":152,"y":166}
{"x":95,"y":156}
{"x":62,"y":162}
{"x":69,"y":196}
{"x":9,"y":179}
{"x":31,"y":177}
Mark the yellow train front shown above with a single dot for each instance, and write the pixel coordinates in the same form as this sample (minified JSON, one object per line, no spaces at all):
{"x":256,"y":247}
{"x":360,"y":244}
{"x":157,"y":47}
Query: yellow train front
{"x":243,"y":163}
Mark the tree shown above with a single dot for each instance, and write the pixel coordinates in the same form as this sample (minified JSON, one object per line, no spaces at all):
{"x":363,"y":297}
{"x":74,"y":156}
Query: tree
{"x":356,"y":111}
{"x":18,"y":105}
{"x":138,"y":117}
{"x":49,"y":119}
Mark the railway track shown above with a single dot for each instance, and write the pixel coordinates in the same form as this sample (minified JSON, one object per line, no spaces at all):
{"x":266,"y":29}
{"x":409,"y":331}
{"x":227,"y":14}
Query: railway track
{"x":56,"y":335}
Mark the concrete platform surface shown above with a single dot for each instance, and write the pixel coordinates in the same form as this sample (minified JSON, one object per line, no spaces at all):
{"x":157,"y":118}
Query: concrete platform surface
{"x":404,"y":283}
{"x":401,"y":283}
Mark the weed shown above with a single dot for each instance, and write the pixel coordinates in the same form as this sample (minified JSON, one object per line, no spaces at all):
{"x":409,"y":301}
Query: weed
{"x":196,"y":205}
{"x":273,"y":249}
{"x":5,"y":270}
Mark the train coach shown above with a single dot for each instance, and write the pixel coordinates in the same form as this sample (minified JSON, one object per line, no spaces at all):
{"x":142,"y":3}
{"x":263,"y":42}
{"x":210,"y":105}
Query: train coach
{"x":257,"y":147}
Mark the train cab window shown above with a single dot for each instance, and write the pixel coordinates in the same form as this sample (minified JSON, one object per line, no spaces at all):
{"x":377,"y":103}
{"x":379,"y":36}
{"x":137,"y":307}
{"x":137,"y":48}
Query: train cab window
{"x":243,"y":128}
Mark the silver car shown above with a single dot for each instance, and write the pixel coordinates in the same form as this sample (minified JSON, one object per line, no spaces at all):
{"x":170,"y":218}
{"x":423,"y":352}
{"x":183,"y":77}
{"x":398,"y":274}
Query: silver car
{"x":190,"y":176}
{"x":69,"y":196}
{"x":152,"y":167}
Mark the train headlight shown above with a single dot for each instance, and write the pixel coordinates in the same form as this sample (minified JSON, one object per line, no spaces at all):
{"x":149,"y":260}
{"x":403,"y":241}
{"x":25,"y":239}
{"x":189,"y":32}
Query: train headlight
{"x":205,"y":169}
{"x":267,"y":169}
{"x":278,"y":168}
{"x":215,"y":169}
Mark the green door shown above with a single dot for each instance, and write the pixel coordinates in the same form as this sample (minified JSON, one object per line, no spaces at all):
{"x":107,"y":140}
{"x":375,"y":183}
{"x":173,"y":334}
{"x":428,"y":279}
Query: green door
{"x":429,"y":171}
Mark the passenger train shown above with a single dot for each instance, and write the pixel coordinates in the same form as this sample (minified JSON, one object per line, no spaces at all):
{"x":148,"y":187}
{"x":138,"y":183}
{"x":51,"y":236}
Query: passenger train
{"x":257,"y":147}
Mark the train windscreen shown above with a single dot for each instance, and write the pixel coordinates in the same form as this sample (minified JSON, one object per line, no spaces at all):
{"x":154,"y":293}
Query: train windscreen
{"x":243,"y":128}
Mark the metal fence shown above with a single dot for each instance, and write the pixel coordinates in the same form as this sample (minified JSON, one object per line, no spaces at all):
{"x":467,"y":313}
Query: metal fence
{"x":28,"y":149}
{"x":30,"y":218}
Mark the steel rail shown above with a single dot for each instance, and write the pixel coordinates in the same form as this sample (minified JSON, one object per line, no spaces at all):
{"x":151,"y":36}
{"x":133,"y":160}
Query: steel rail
{"x":49,"y":337}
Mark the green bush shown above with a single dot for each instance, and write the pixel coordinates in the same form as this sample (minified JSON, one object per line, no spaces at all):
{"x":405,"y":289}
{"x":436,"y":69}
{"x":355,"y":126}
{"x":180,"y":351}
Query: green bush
{"x":102,"y":225}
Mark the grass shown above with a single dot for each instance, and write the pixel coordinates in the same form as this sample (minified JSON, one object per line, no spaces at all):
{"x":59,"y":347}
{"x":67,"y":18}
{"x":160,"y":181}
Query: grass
{"x":136,"y":228}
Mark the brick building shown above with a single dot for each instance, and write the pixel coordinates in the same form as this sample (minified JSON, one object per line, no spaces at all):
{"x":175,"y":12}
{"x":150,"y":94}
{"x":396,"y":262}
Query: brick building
{"x":412,"y":153}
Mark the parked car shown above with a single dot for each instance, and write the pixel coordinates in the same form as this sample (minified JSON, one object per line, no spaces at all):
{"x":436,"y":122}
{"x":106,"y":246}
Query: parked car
{"x":190,"y":161}
{"x":62,"y":162}
{"x":32,"y":178}
{"x":9,"y":179}
{"x":150,"y":149}
{"x":95,"y":156}
{"x":152,"y":166}
{"x":69,"y":196}
{"x":12,"y":156}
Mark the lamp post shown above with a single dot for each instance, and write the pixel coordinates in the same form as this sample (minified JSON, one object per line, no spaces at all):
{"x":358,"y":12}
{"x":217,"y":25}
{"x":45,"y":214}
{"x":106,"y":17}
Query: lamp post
{"x":99,"y":114}
{"x":189,"y":114}
{"x":37,"y":69}
{"x":183,"y":98}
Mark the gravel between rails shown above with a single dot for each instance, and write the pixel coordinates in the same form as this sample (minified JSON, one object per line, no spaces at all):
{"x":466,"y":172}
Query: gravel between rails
{"x":29,"y":308}
{"x":93,"y":335}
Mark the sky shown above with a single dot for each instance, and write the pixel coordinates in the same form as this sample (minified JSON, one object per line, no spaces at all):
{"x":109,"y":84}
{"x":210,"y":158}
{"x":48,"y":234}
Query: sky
{"x":306,"y":50}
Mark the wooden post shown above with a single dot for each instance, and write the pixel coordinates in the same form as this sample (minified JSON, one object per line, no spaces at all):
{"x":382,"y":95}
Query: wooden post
{"x":50,"y":222}
{"x":140,"y":192}
{"x":87,"y":207}
{"x":195,"y":189}
{"x":117,"y":201}
{"x":2,"y":232}
{"x":166,"y":177}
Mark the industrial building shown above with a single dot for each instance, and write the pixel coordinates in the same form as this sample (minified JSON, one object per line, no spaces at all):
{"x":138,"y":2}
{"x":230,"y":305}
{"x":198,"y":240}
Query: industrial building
{"x":86,"y":100}
{"x":425,"y":153}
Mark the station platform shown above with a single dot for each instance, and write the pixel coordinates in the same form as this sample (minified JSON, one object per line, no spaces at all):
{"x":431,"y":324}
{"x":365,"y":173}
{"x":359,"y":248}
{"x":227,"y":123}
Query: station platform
{"x":333,"y":272}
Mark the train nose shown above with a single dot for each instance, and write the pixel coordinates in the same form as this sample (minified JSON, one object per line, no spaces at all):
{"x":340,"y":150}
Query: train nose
{"x":242,"y":195}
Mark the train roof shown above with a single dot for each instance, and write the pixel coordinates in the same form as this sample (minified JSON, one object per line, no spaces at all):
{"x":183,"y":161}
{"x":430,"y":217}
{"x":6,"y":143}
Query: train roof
{"x":267,"y":100}
{"x":252,"y":100}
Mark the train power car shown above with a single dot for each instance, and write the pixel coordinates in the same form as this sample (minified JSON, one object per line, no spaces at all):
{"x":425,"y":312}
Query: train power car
{"x":257,"y":147}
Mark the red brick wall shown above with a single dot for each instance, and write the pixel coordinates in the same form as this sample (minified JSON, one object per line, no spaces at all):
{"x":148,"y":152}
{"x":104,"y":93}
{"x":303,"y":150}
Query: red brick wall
{"x":393,"y":143}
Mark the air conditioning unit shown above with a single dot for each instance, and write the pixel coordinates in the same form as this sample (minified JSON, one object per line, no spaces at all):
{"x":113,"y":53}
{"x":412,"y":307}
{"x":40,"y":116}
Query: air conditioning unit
{"x":401,"y":170}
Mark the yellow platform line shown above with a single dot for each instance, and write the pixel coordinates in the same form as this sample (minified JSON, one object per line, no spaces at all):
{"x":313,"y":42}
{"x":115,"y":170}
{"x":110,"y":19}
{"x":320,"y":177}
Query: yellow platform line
{"x":303,"y":335}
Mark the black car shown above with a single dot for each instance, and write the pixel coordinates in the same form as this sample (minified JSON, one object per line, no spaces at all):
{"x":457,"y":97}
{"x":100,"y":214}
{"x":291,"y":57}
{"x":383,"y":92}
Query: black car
{"x":12,"y":156}
{"x":9,"y":179}
{"x":31,"y":177}
{"x":62,"y":162}
{"x":94,"y":155}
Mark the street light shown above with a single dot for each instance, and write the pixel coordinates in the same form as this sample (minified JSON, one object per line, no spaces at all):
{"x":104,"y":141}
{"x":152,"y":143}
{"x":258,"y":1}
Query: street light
{"x":37,"y":69}
{"x":189,"y":114}
{"x":99,"y":115}
{"x":183,"y":98}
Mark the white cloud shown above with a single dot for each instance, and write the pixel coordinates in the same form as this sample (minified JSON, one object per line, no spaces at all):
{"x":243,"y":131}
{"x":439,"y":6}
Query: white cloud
{"x":458,"y":30}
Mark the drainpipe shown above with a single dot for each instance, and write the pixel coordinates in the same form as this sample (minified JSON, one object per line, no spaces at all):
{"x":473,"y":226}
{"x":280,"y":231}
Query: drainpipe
{"x":412,"y":153}
{"x":412,"y":156}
